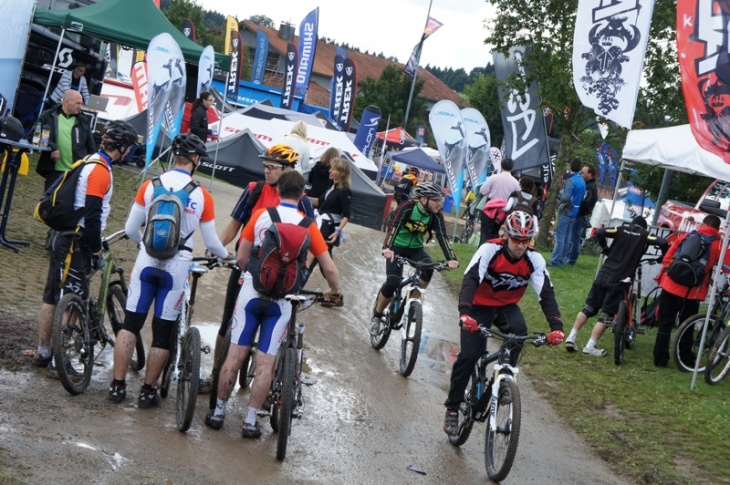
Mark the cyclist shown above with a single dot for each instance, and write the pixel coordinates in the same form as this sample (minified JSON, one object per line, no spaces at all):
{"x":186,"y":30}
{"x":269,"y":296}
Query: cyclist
{"x":162,"y":279}
{"x":93,"y":193}
{"x":403,"y":188}
{"x":494,"y":282}
{"x":629,"y":244}
{"x":269,"y":316}
{"x":413,"y":219}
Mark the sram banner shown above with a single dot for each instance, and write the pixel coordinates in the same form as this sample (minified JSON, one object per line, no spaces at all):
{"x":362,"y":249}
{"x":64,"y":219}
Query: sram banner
{"x":702,"y":43}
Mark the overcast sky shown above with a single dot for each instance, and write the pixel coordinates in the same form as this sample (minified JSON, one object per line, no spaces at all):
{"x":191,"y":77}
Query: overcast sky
{"x":392,"y":27}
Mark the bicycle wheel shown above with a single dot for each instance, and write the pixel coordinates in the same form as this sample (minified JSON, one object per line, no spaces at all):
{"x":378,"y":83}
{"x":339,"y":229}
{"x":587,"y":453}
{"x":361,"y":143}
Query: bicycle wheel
{"x":691,"y":329}
{"x":217,"y":366}
{"x":468,"y":231}
{"x":189,"y":381}
{"x":411,"y":338}
{"x":72,"y":347}
{"x":286,"y":402}
{"x":248,"y":369}
{"x":116,"y":302}
{"x":466,"y":412}
{"x":619,"y":333}
{"x":379,"y":341}
{"x":503,"y":432}
{"x":169,"y":369}
{"x":630,"y":332}
{"x":718,"y":361}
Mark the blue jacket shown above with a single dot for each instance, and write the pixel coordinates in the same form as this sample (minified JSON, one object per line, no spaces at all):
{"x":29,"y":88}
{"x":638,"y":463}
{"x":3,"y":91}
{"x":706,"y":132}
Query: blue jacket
{"x":573,"y":193}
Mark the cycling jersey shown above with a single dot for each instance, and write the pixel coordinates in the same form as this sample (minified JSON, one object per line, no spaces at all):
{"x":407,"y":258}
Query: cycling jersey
{"x":411,"y":223}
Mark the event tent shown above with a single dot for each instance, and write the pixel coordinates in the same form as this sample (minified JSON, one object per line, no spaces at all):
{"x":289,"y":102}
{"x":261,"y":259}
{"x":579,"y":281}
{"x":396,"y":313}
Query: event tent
{"x":416,"y":158}
{"x":131,"y":23}
{"x":268,"y":112}
{"x":397,"y":136}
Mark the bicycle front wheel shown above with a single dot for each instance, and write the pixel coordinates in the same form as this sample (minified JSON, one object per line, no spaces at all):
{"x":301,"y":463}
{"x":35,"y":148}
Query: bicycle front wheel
{"x":169,"y":369}
{"x":378,"y":341}
{"x":691,"y":331}
{"x":619,"y":333}
{"x":468,"y":231}
{"x":116,"y":302}
{"x":189,"y":381}
{"x":466,"y":412}
{"x":503,"y":432}
{"x":286,"y":402}
{"x":411,"y":338}
{"x":73,"y":350}
{"x":718,"y":361}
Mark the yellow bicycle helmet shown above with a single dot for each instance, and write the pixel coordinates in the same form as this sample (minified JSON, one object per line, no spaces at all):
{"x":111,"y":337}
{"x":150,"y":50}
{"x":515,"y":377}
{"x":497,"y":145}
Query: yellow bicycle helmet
{"x":283,"y":154}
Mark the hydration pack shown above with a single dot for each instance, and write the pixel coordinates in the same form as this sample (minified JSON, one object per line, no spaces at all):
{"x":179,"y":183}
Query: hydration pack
{"x":688,"y":264}
{"x":162,"y":238}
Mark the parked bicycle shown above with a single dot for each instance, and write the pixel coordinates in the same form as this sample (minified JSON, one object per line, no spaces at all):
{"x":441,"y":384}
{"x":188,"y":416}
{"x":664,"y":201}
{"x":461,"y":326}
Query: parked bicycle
{"x":79,"y":323}
{"x":718,"y":359}
{"x":494,"y":397}
{"x":468,"y":231}
{"x":405,"y":313}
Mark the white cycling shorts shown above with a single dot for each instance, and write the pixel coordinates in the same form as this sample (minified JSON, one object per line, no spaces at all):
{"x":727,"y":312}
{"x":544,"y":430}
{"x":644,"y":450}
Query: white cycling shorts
{"x":161,"y":281}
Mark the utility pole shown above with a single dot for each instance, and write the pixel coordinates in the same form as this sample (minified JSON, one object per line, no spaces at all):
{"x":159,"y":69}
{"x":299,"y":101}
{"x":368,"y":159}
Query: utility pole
{"x":418,"y":62}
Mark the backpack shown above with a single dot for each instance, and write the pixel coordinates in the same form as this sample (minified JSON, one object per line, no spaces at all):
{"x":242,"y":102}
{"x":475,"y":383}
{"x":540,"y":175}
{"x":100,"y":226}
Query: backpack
{"x":522,"y":203}
{"x":162,"y":238}
{"x":56,"y":207}
{"x":278,"y":265}
{"x":688,"y":265}
{"x":254,"y":193}
{"x":650,"y":310}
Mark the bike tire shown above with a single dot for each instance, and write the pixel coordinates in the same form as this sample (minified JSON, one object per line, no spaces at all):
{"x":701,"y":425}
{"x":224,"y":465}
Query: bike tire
{"x":694,"y":326}
{"x":189,"y":382}
{"x":466,"y":412}
{"x":630,"y":332}
{"x":72,"y":347}
{"x":217,"y":366}
{"x":248,"y":369}
{"x":468,"y":231}
{"x":411,"y":338}
{"x":379,"y":341}
{"x":116,"y":302}
{"x":500,"y":447}
{"x":286,"y":406}
{"x":718,"y":361}
{"x":619,"y":333}
{"x":169,"y":369}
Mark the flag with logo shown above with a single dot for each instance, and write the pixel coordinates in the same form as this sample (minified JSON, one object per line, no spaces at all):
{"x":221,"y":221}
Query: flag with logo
{"x":368,"y":129}
{"x":337,"y":87}
{"x":448,"y":130}
{"x":478,"y":143}
{"x":233,"y":47}
{"x":432,"y":25}
{"x":188,"y":29}
{"x":609,"y":44}
{"x":348,"y":95}
{"x":140,"y":80}
{"x":161,"y":61}
{"x":290,"y":69}
{"x":259,"y":59}
{"x":307,"y":47}
{"x":206,"y":66}
{"x":176,"y":102}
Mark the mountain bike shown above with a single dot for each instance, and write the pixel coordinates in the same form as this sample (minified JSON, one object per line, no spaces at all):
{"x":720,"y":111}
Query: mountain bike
{"x":286,"y":388}
{"x":468,"y":230}
{"x":718,"y":360}
{"x":405,"y":313}
{"x":79,"y":323}
{"x":494,"y":397}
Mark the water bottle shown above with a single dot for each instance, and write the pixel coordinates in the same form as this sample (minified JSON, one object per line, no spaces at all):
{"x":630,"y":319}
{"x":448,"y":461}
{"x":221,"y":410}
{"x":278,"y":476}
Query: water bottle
{"x":37,"y":134}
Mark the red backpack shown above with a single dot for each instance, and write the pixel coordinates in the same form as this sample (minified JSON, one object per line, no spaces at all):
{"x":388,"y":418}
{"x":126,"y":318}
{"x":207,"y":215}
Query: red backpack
{"x":278,"y":265}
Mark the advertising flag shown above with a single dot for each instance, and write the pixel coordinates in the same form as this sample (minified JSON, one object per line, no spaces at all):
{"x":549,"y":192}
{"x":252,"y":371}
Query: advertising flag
{"x":432,"y":25}
{"x":341,"y":52}
{"x":478,"y":144}
{"x":337,"y":88}
{"x":290,"y":68}
{"x":259,"y":59}
{"x":348,"y":95}
{"x":495,"y":157}
{"x":140,"y":81}
{"x":368,"y":129}
{"x":17,"y":18}
{"x":448,"y":130}
{"x":702,"y":44}
{"x":188,"y":29}
{"x":161,"y":61}
{"x":176,"y":102}
{"x":233,"y":46}
{"x":307,"y":47}
{"x":525,"y":139}
{"x":609,"y":44}
{"x":206,"y":66}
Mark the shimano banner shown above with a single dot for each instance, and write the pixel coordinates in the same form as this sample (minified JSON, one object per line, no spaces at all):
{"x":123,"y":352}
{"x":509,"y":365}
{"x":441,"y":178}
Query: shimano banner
{"x":307,"y":48}
{"x":337,"y":87}
{"x":206,"y":66}
{"x":368,"y":129}
{"x":188,"y":29}
{"x":259,"y":60}
{"x":287,"y":97}
{"x":348,"y":95}
{"x":525,"y":139}
{"x":478,"y":144}
{"x":446,"y":125}
{"x":161,"y":63}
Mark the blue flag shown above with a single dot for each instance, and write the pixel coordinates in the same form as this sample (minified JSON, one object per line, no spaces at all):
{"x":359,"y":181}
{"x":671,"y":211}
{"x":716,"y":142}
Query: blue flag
{"x":259,"y":60}
{"x":368,"y":128}
{"x":307,"y":47}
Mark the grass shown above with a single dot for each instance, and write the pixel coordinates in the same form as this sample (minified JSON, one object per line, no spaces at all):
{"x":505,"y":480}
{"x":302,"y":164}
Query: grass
{"x":644,"y":421}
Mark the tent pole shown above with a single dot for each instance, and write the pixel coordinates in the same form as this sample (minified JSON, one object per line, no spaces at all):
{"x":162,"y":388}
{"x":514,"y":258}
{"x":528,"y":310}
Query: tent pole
{"x":613,"y":205}
{"x":53,"y":68}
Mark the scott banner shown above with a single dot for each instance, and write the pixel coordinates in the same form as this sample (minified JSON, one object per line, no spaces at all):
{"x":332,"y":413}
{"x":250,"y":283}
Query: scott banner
{"x":307,"y":47}
{"x":163,"y":60}
{"x":259,"y":59}
{"x":206,"y":66}
{"x":478,"y":144}
{"x":448,"y":130}
{"x":702,"y":41}
{"x":525,"y":139}
{"x":348,"y":95}
{"x":609,"y":45}
{"x":337,"y":86}
{"x":368,"y":129}
{"x":287,"y":97}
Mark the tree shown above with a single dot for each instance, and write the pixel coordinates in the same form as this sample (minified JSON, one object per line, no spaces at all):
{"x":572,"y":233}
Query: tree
{"x":208,"y":33}
{"x":482,"y":96}
{"x":262,"y":20}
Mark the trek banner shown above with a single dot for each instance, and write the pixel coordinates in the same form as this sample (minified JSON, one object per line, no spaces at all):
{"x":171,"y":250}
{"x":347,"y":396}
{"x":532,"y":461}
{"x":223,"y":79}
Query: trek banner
{"x":609,"y":45}
{"x":206,"y":66}
{"x":704,"y":61}
{"x":368,"y":129}
{"x":307,"y":47}
{"x":259,"y":59}
{"x":161,"y":60}
{"x":188,"y":29}
{"x":348,"y":95}
{"x":233,"y":46}
{"x":290,"y":69}
{"x":525,"y":139}
{"x":448,"y":130}
{"x":478,"y":143}
{"x":336,"y":88}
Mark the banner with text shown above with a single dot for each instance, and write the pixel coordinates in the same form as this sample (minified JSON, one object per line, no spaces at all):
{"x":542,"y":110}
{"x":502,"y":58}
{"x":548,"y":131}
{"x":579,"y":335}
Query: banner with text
{"x":478,"y":143}
{"x":161,"y":61}
{"x":234,"y":47}
{"x":448,"y":130}
{"x":307,"y":47}
{"x":206,"y":66}
{"x":337,"y":86}
{"x":290,"y":68}
{"x":348,"y":95}
{"x":259,"y":59}
{"x":368,"y":129}
{"x":188,"y":29}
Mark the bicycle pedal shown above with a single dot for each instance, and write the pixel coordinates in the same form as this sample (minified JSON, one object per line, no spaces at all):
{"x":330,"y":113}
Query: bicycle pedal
{"x":205,"y":349}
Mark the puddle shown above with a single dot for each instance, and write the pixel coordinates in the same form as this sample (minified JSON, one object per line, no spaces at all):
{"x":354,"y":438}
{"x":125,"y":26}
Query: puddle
{"x":115,"y":460}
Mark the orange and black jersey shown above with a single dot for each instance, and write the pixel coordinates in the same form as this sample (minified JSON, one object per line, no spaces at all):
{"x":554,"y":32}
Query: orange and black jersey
{"x":494,"y":279}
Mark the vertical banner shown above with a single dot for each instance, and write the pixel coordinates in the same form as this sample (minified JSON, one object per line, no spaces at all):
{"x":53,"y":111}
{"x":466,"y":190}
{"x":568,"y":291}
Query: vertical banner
{"x":160,"y":59}
{"x":348,"y":95}
{"x":337,"y":86}
{"x":702,"y":44}
{"x":478,"y":144}
{"x":446,"y":125}
{"x":188,"y":29}
{"x":112,"y":60}
{"x":259,"y":59}
{"x":421,"y":135}
{"x":432,"y":25}
{"x":367,"y":130}
{"x":206,"y":66}
{"x":495,"y":157}
{"x":176,"y":102}
{"x":140,"y":82}
{"x":287,"y":97}
{"x":307,"y":47}
{"x":609,"y":44}
{"x":525,"y":139}
{"x":17,"y":17}
{"x":232,"y":46}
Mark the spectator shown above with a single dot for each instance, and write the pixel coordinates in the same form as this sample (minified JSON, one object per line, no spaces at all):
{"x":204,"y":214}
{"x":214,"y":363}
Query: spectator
{"x":583,"y":219}
{"x":199,"y":116}
{"x":498,"y":186}
{"x":297,"y":139}
{"x":402,"y":191}
{"x":71,"y":80}
{"x":567,"y":211}
{"x":319,"y":180}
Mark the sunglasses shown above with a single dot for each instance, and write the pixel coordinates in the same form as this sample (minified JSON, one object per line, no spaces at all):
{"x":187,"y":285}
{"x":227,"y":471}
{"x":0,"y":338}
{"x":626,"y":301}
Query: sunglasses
{"x":272,"y":166}
{"x":518,"y":241}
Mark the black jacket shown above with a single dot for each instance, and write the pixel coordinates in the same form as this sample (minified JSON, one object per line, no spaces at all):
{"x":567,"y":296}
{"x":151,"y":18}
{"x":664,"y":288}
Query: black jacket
{"x":318,"y":180}
{"x":589,"y":199}
{"x":199,"y":122}
{"x":82,"y":139}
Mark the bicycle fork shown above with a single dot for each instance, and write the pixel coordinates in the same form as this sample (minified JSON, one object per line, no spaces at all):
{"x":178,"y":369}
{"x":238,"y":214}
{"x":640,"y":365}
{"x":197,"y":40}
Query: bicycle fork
{"x":502,"y":372}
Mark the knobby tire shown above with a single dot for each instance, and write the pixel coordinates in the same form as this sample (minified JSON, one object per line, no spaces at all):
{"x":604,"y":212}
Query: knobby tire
{"x":411,"y":338}
{"x":619,"y":333}
{"x":467,"y":410}
{"x":379,"y":341}
{"x":500,"y":447}
{"x":287,"y":402}
{"x":72,"y":347}
{"x":718,"y":362}
{"x":189,"y":382}
{"x":693,"y":325}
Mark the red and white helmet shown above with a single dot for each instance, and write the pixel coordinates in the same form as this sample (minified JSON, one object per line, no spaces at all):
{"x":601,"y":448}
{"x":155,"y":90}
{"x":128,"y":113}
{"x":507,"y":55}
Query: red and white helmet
{"x":520,"y":224}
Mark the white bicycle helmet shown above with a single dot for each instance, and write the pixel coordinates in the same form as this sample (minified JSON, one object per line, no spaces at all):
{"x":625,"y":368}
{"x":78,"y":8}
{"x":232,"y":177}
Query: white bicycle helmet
{"x":427,"y":189}
{"x":520,"y":225}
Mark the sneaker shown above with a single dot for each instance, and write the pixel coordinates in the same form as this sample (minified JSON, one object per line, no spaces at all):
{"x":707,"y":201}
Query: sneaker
{"x":251,"y":430}
{"x":51,"y":371}
{"x":213,"y":421}
{"x":117,"y":393}
{"x":570,"y":346}
{"x":148,"y":399}
{"x":375,"y":326}
{"x":594,"y":351}
{"x":39,"y":361}
{"x":206,"y":385}
{"x":451,"y":422}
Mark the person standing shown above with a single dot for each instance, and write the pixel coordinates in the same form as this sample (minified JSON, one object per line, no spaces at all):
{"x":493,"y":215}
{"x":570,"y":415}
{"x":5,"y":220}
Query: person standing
{"x":297,"y":139}
{"x":498,"y":186}
{"x":74,"y":80}
{"x":199,"y":116}
{"x":318,"y":179}
{"x":70,"y":138}
{"x":583,"y":219}
{"x":567,"y":210}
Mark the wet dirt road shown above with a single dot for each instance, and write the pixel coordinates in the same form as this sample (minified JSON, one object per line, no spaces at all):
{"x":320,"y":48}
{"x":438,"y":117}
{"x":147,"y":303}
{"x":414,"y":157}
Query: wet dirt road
{"x":362,"y":423}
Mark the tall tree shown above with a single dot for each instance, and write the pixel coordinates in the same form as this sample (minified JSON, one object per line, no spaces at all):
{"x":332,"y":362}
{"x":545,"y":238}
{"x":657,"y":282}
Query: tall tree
{"x":482,"y":96}
{"x":262,"y":20}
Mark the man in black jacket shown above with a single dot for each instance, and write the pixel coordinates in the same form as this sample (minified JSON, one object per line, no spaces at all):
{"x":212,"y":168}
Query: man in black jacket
{"x":583,"y":220}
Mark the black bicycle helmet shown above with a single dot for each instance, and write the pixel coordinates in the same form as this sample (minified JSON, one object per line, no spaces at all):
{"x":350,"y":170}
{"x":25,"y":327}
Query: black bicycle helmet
{"x":283,"y":154}
{"x":119,"y":135}
{"x":188,"y":144}
{"x":520,"y":225}
{"x":11,"y":129}
{"x":428,"y":189}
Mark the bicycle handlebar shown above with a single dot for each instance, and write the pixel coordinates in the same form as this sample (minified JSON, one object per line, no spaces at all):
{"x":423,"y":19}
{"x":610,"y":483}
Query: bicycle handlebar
{"x":538,"y":339}
{"x":421,"y":265}
{"x":214,"y":262}
{"x":305,"y":295}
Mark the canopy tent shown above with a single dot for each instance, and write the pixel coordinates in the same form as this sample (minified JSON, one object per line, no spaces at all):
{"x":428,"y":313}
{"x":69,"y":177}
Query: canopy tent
{"x":268,"y":112}
{"x":223,"y":105}
{"x":132,"y":23}
{"x":416,"y":158}
{"x":397,"y":136}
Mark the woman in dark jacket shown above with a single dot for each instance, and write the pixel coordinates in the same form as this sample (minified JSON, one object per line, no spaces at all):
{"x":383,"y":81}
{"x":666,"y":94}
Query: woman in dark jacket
{"x":199,"y":117}
{"x":319,"y":180}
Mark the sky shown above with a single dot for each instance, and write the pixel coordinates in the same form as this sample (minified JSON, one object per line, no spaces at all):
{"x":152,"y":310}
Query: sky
{"x":390,"y":27}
